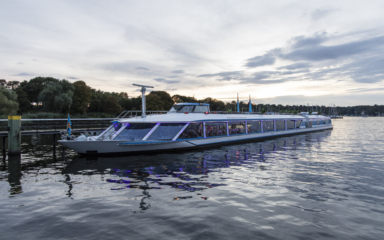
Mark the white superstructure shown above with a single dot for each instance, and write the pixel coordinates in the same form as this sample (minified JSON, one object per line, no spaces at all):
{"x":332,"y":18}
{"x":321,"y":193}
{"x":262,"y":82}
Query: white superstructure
{"x":192,"y":125}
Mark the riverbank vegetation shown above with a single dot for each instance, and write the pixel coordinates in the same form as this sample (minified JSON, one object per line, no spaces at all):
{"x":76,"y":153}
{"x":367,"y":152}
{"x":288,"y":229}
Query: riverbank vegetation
{"x":47,"y":97}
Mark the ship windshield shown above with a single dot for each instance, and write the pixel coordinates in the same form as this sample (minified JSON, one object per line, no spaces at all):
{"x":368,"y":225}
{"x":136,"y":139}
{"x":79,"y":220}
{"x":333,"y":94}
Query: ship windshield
{"x":189,"y":109}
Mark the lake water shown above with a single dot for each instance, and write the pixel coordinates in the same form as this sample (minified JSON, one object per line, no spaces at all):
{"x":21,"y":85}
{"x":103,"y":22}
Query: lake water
{"x":321,"y":185}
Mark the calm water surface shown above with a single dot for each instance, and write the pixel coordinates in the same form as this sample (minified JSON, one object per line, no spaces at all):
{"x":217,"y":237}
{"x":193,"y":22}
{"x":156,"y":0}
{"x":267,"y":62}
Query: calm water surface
{"x":323,"y":185}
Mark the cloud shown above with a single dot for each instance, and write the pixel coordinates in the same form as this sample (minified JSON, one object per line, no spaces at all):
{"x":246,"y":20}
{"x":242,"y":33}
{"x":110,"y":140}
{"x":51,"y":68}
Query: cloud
{"x":73,"y":78}
{"x":321,"y":13}
{"x":178,"y":71}
{"x":295,"y":66}
{"x":142,"y":68}
{"x":225,"y":76}
{"x":264,"y":60}
{"x":163,"y":80}
{"x":310,"y":49}
{"x":359,"y":90}
{"x":24,"y":74}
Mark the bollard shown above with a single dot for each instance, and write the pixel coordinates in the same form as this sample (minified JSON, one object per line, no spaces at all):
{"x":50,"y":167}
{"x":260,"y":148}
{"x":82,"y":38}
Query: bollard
{"x":14,"y":135}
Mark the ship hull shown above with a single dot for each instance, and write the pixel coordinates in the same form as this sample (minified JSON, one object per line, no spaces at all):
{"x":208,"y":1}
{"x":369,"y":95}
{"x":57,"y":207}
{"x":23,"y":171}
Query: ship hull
{"x":124,"y":147}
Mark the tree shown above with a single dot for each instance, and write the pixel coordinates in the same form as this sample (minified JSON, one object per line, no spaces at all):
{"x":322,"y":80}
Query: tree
{"x":54,"y":98}
{"x":3,"y":82}
{"x":166,"y":99}
{"x":81,"y":97}
{"x":154,"y":102}
{"x":8,"y":102}
{"x":111,"y":105}
{"x":13,"y":84}
{"x":180,"y":99}
{"x":22,"y":99}
{"x":96,"y":101}
{"x":35,"y":86}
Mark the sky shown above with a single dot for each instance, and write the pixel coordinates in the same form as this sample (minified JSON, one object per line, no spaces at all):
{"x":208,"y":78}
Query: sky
{"x":282,"y":52}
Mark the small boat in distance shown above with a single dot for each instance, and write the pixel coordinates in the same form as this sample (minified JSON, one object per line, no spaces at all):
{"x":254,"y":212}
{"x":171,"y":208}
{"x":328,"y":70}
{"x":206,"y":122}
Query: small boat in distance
{"x":189,"y":126}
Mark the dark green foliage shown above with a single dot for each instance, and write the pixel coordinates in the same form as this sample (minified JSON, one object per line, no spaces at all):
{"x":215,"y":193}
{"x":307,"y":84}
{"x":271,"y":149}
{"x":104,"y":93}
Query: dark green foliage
{"x":81,"y":97}
{"x":13,"y":84}
{"x":166,"y":99}
{"x":154,"y":102}
{"x":35,"y":86}
{"x":8,"y":102}
{"x":56,"y":96}
{"x":22,"y":99}
{"x":181,"y":99}
{"x":111,"y":105}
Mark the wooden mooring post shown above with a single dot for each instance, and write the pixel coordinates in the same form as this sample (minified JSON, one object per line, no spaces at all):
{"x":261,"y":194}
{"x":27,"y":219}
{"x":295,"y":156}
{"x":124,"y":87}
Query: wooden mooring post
{"x":14,"y":135}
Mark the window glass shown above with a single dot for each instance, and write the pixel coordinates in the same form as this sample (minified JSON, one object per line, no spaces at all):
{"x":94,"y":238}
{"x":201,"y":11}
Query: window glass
{"x":330,"y":121}
{"x":166,"y":131}
{"x":253,"y":126}
{"x":194,"y":130}
{"x":268,"y":126}
{"x":213,"y":129}
{"x":236,"y":127}
{"x":135,"y":131}
{"x":298,"y":123}
{"x":201,"y":109}
{"x":280,"y":125}
{"x":290,"y":124}
{"x":303,"y":123}
{"x":117,"y":126}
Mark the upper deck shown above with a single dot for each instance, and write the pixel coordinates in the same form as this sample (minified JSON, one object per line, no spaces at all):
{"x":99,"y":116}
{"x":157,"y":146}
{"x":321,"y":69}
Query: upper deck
{"x":200,"y":112}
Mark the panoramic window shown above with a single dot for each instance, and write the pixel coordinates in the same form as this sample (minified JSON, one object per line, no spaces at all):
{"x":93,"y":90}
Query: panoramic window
{"x":213,"y":129}
{"x":166,"y":131}
{"x":280,"y":125}
{"x":117,"y":126}
{"x":201,"y":109}
{"x":290,"y":124}
{"x":182,"y":108}
{"x":236,"y":127}
{"x":254,"y":126}
{"x":194,"y":130}
{"x":135,"y":131}
{"x":298,"y":123}
{"x":268,"y":126}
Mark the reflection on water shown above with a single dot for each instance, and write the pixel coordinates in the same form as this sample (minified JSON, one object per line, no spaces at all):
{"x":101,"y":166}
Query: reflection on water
{"x":318,"y":185}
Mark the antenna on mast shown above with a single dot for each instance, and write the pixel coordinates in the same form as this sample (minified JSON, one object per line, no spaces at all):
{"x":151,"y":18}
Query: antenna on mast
{"x":143,"y":88}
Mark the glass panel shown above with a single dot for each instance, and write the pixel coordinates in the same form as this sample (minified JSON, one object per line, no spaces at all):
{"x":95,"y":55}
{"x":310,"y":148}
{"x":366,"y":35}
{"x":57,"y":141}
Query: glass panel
{"x":201,"y":109}
{"x":253,"y":126}
{"x":280,"y":125}
{"x":213,"y":129}
{"x":330,"y":121}
{"x":194,"y":130}
{"x":236,"y":127}
{"x":182,"y":108}
{"x":290,"y":124}
{"x":166,"y":131}
{"x":135,"y":131}
{"x":298,"y":123}
{"x":117,"y":126}
{"x":268,"y":126}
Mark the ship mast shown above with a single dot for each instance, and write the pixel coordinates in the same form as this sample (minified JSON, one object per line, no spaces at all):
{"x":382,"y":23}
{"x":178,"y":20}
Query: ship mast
{"x":143,"y":88}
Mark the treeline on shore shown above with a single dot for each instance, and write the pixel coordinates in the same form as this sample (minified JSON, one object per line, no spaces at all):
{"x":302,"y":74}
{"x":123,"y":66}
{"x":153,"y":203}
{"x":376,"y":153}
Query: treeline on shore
{"x":48,"y":97}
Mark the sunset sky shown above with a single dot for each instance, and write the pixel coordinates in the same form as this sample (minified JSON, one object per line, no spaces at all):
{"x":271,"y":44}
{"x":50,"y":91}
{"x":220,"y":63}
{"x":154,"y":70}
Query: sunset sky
{"x":286,"y":52}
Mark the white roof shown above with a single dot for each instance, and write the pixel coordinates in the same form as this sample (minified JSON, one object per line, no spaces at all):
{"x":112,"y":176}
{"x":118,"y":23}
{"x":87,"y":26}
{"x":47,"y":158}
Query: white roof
{"x":201,"y":117}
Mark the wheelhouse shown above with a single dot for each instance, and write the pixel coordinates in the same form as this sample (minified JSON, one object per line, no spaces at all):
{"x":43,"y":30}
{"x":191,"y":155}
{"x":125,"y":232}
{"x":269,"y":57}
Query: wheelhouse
{"x":190,"y":108}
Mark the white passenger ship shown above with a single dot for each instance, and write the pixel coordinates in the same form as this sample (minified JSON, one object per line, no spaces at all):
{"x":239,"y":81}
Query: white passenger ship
{"x":191,"y":125}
